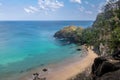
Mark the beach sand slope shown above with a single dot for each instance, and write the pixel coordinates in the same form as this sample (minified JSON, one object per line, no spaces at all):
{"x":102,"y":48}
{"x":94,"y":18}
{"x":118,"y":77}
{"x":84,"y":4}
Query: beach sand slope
{"x":73,"y":69}
{"x":69,"y":70}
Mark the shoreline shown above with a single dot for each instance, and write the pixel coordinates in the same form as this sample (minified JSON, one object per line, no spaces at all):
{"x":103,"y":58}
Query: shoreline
{"x":64,"y":70}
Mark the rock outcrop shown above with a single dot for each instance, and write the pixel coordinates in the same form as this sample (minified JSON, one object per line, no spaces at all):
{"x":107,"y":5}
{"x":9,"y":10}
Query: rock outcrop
{"x":70,"y":33}
{"x":106,"y":68}
{"x":66,"y":32}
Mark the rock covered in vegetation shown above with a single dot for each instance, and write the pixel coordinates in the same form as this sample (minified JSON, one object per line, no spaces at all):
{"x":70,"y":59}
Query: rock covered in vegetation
{"x":70,"y":33}
{"x":65,"y":32}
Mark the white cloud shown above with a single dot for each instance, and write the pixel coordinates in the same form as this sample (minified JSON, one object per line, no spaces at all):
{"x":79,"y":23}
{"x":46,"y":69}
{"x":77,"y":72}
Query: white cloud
{"x":50,"y":4}
{"x":31,"y":9}
{"x":89,"y":12}
{"x":83,"y":9}
{"x":107,"y":0}
{"x":28,"y":10}
{"x":45,"y":5}
{"x":76,"y":1}
{"x":100,"y":6}
{"x":87,"y":3}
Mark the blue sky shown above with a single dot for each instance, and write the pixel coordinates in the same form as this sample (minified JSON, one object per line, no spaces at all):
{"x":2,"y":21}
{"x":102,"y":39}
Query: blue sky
{"x":50,"y":9}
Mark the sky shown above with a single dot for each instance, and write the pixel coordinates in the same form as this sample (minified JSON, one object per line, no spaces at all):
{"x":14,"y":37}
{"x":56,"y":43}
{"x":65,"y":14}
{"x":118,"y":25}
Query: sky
{"x":50,"y":9}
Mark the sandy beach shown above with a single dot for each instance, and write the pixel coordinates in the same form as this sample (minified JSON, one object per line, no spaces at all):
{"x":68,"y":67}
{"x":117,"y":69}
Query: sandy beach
{"x":65,"y":70}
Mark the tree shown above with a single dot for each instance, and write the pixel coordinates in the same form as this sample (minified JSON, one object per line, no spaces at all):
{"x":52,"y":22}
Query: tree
{"x":115,"y":39}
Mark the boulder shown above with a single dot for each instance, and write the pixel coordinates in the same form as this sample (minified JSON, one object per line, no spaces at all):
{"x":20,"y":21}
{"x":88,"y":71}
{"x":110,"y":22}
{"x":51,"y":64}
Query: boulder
{"x":78,"y":49}
{"x":103,"y":66}
{"x":45,"y":69}
{"x":111,"y":76}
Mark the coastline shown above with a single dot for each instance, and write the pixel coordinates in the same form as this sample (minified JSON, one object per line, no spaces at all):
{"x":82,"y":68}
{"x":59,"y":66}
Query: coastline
{"x":64,"y":70}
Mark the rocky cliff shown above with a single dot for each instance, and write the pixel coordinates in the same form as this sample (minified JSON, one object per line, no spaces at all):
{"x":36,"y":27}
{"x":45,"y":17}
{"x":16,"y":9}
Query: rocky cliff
{"x":106,"y":68}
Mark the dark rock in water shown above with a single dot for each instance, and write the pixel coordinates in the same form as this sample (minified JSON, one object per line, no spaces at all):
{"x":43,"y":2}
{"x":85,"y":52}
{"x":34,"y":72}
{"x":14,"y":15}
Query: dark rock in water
{"x":45,"y":69}
{"x":36,"y":77}
{"x":78,"y":49}
{"x":36,"y":74}
{"x":104,"y":68}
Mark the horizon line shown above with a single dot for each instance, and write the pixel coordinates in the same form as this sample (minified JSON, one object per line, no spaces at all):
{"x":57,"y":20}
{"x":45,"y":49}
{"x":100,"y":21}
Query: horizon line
{"x":47,"y":20}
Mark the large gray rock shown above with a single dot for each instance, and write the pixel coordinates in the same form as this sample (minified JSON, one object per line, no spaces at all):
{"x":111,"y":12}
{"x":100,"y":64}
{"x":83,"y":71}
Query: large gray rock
{"x":111,"y":76}
{"x":104,"y":68}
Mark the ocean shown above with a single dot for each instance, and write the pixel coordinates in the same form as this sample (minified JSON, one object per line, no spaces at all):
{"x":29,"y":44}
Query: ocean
{"x":26,"y":45}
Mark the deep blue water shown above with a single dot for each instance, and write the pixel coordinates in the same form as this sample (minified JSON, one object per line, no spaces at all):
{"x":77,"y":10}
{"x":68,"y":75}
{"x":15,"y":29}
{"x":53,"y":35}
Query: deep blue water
{"x":29,"y":44}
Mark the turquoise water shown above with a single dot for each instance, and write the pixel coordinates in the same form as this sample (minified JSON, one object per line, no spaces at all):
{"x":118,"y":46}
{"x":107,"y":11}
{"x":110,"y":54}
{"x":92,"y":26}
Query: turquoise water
{"x":29,"y":44}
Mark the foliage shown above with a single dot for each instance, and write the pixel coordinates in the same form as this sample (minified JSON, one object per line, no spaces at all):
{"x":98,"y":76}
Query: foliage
{"x":115,"y":38}
{"x":107,"y":25}
{"x":105,"y":29}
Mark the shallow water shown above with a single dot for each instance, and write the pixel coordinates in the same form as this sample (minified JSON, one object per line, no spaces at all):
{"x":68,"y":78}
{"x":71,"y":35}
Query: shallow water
{"x":28,"y":44}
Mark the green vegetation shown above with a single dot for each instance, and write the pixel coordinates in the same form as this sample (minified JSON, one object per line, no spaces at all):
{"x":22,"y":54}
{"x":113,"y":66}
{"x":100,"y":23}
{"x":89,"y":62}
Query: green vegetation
{"x":115,"y":38}
{"x":105,"y":30}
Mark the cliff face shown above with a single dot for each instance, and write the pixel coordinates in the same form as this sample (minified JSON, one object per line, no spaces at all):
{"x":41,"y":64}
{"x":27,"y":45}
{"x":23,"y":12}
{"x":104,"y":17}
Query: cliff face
{"x":108,"y":26}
